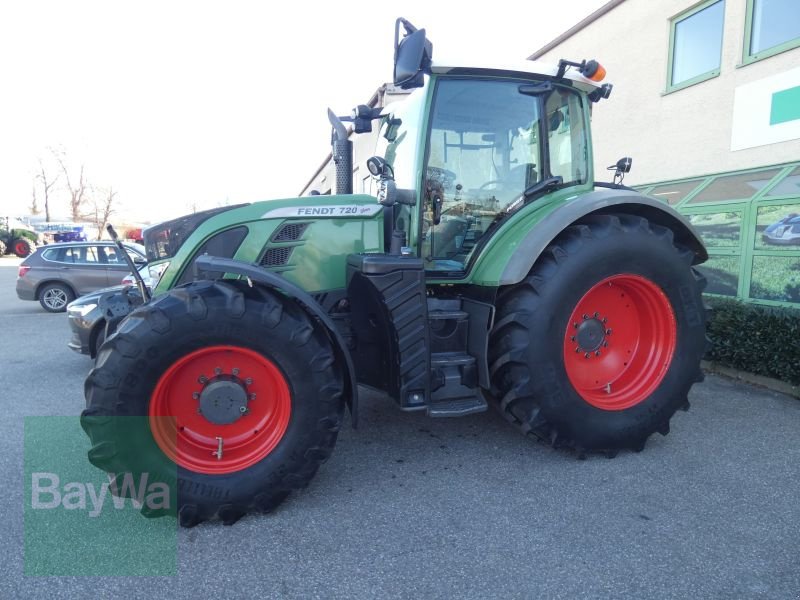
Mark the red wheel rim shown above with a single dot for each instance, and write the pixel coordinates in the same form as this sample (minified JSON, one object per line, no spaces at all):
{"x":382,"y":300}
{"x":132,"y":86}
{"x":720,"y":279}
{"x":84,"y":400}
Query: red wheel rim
{"x":619,"y":342}
{"x":20,"y":248}
{"x":253,"y":393}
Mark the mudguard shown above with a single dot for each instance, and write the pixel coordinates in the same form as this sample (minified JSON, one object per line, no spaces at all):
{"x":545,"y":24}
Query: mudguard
{"x":208,"y":263}
{"x":599,"y":201}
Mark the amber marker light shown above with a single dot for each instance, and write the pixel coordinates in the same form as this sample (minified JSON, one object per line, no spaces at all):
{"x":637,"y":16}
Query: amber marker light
{"x":593,"y":70}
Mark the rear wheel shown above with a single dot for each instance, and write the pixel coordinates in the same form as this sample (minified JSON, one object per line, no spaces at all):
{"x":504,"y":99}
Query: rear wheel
{"x":237,"y":392}
{"x":3,"y":248}
{"x":598,"y":347}
{"x":54,"y":297}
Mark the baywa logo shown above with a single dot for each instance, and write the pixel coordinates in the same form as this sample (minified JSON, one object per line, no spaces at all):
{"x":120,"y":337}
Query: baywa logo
{"x":124,"y":490}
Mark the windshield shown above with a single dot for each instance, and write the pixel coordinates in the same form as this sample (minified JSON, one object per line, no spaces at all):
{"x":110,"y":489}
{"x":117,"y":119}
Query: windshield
{"x":487,"y":144}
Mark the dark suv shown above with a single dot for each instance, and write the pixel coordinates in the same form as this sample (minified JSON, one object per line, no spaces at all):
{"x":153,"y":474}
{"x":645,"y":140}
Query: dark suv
{"x":57,"y":274}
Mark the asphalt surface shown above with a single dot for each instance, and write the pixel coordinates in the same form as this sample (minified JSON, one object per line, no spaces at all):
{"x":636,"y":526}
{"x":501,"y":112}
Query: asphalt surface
{"x":414,"y":507}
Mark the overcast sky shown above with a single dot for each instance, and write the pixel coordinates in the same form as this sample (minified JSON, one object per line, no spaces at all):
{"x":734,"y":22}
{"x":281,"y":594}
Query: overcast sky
{"x":176,"y":104}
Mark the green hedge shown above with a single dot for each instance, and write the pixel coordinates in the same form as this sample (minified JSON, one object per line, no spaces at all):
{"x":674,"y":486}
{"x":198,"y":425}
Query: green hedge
{"x":758,"y":339}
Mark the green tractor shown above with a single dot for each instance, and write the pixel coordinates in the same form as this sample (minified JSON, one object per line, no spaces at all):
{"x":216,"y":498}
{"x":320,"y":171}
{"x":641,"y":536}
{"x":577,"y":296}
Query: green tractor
{"x":489,"y":269}
{"x":16,"y":240}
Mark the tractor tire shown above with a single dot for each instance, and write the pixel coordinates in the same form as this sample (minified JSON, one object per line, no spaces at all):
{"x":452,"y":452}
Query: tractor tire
{"x":210,"y":361}
{"x":3,"y":248}
{"x":54,"y":297}
{"x":599,"y":345}
{"x":22,"y":247}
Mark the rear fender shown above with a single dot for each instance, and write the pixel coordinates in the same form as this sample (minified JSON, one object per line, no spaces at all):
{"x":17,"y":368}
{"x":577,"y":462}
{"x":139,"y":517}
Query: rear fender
{"x":207,"y":263}
{"x":538,"y":237}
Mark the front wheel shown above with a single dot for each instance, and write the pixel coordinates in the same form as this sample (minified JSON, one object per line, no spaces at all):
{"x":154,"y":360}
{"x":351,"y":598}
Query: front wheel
{"x":234,"y":390}
{"x":598,"y":347}
{"x":54,"y":297}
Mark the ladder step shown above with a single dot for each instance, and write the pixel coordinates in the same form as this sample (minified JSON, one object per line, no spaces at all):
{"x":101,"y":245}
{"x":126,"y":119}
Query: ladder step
{"x":458,"y":315}
{"x":458,"y":407}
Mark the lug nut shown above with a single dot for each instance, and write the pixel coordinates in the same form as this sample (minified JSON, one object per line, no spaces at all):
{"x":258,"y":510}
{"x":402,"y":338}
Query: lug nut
{"x":202,"y":379}
{"x":248,"y":381}
{"x":252,"y":396}
{"x":196,"y":395}
{"x":217,"y":371}
{"x":608,"y":332}
{"x":235,"y":371}
{"x":596,"y":314}
{"x":243,"y":409}
{"x":597,"y":353}
{"x":577,"y":348}
{"x":585,"y":317}
{"x":572,"y":339}
{"x":586,"y":355}
{"x":605,"y":344}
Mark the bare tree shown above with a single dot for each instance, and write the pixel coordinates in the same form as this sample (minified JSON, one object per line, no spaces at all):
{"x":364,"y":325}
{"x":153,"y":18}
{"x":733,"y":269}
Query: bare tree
{"x":102,"y":207}
{"x":47,"y":182}
{"x":77,"y":187}
{"x":34,"y":208}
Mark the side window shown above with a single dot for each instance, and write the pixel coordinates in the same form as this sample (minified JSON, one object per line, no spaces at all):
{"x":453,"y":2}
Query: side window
{"x":73,"y":255}
{"x":112,"y":255}
{"x":91,"y":255}
{"x":568,"y":148}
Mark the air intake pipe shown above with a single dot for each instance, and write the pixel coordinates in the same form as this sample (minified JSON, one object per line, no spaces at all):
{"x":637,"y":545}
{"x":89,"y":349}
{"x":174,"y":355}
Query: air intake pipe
{"x":342,"y":153}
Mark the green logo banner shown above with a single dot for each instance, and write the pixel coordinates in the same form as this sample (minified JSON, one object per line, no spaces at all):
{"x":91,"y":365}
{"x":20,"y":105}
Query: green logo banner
{"x":85,"y":520}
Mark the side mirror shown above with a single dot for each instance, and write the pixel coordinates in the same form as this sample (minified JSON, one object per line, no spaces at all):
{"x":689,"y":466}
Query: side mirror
{"x":412,"y":55}
{"x":624,"y":164}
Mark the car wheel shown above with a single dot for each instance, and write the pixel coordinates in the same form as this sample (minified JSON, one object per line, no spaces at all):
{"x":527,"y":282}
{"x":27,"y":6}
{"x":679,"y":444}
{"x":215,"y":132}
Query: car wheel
{"x":54,"y":297}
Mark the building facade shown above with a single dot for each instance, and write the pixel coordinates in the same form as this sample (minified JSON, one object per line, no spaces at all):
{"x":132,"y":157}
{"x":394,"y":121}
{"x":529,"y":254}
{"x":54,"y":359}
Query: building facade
{"x":706,"y":100}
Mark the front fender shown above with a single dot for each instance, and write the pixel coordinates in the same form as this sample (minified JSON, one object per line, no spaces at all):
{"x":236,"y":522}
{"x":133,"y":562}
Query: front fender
{"x":208,"y":263}
{"x":540,"y":234}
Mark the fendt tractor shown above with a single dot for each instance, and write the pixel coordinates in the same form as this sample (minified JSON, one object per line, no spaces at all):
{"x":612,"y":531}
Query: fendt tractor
{"x":490,"y":268}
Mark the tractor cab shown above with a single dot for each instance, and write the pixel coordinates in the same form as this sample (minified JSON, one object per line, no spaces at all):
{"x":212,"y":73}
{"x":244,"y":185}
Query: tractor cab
{"x":470,"y":146}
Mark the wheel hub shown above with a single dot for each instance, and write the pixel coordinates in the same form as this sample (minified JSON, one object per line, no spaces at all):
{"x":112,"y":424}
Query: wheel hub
{"x":223,"y":401}
{"x":590,"y":335}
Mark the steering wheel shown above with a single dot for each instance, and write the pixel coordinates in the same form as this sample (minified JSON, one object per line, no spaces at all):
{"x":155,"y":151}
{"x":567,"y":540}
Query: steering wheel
{"x":493,"y":182}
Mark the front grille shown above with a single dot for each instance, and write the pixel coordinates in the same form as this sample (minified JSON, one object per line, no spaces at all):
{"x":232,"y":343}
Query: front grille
{"x":276,"y":256}
{"x":289,"y":232}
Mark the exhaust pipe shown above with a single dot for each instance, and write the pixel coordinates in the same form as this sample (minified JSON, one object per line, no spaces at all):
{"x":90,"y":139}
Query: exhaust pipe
{"x":342,"y":153}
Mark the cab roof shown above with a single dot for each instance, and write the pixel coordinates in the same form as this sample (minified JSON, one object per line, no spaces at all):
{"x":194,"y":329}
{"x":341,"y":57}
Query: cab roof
{"x":525,"y":67}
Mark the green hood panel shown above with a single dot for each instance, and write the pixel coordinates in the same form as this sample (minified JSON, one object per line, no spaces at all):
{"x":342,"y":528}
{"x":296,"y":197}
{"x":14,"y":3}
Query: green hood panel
{"x":335,"y":227}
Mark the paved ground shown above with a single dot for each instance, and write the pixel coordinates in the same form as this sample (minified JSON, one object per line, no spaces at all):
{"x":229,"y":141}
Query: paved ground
{"x":410,"y":506}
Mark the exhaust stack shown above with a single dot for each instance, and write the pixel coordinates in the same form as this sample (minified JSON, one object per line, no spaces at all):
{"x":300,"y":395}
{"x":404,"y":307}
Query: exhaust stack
{"x":342,"y":153}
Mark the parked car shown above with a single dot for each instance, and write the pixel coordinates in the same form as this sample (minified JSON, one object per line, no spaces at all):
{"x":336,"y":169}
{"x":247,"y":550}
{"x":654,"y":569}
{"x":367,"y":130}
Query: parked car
{"x":87,"y":320}
{"x":783,"y":232}
{"x":58,"y":273}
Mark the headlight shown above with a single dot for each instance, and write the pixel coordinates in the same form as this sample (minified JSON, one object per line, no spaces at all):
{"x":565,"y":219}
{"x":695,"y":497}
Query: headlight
{"x":156,"y":271}
{"x":82,"y":310}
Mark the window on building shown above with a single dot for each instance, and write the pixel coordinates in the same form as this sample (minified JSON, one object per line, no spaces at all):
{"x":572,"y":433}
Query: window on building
{"x":790,"y":186}
{"x":673,"y":193}
{"x":772,"y":27}
{"x":696,"y":45}
{"x":735,"y":187}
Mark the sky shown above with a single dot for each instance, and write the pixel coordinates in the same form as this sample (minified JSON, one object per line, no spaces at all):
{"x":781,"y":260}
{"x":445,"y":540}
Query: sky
{"x":189,"y":105}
